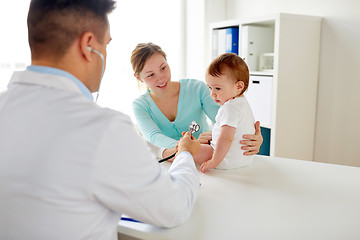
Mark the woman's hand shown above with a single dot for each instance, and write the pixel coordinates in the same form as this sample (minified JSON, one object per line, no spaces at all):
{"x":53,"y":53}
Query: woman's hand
{"x":253,"y":142}
{"x":205,"y":137}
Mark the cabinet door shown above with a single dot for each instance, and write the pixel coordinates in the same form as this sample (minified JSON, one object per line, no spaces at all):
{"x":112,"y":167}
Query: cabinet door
{"x":259,"y":97}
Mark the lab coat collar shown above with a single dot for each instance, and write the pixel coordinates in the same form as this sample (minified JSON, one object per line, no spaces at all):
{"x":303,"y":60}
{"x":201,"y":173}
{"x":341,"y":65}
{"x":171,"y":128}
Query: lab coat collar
{"x":59,"y":72}
{"x":44,"y":79}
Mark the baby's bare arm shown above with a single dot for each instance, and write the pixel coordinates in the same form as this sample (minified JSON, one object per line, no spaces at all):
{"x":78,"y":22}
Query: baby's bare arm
{"x":222,"y":147}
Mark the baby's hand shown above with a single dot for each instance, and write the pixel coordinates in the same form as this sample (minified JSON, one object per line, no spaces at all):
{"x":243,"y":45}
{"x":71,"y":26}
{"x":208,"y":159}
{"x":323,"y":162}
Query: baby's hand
{"x":208,"y":165}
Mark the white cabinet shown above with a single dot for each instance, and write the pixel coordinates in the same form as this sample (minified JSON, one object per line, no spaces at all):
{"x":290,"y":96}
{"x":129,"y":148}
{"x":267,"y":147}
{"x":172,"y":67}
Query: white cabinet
{"x":259,"y":98}
{"x":282,"y":52}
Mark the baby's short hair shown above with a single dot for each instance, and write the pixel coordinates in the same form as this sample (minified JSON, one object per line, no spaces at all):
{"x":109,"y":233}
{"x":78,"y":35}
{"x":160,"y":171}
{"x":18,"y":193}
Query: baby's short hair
{"x":235,"y":65}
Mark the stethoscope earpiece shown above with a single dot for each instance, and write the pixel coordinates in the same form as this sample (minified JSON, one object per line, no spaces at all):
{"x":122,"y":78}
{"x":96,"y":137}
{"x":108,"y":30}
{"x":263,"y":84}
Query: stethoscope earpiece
{"x":102,"y":67}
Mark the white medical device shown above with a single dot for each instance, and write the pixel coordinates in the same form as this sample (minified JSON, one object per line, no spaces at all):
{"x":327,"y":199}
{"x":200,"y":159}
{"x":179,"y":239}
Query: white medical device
{"x":102,"y":67}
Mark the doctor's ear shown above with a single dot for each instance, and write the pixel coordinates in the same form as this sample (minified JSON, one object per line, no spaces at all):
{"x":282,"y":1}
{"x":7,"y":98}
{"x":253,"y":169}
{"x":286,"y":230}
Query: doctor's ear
{"x":85,"y":42}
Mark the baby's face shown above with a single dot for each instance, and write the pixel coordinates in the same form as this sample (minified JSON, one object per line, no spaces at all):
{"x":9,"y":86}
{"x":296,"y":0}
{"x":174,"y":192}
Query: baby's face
{"x":222,"y":88}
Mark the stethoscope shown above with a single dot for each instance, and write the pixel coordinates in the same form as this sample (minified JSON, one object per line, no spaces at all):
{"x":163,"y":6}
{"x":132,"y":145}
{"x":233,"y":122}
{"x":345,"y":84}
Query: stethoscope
{"x":193,"y":128}
{"x":102,"y":68}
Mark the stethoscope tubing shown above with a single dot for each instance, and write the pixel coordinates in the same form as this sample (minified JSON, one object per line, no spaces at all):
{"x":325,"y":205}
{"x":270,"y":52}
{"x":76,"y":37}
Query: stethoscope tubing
{"x":167,"y":158}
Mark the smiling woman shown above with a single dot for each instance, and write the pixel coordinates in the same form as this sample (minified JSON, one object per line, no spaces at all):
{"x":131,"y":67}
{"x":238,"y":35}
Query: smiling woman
{"x":156,"y":111}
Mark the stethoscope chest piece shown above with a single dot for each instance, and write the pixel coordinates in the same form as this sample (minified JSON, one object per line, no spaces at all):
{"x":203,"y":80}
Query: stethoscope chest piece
{"x":194,"y":127}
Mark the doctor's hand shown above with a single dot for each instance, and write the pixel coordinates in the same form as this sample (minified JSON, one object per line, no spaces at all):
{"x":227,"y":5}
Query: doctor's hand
{"x":188,"y":143}
{"x":252,"y":142}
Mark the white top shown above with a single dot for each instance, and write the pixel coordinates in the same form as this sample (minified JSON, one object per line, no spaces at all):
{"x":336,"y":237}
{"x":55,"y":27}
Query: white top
{"x":69,"y":168}
{"x":271,"y":199}
{"x":235,"y":113}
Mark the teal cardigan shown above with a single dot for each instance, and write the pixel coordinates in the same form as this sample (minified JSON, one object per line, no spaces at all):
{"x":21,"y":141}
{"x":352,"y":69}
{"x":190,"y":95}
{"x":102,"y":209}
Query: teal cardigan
{"x":194,"y":104}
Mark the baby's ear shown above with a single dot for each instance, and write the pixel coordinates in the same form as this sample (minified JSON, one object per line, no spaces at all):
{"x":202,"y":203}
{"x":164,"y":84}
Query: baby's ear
{"x":240,"y":85}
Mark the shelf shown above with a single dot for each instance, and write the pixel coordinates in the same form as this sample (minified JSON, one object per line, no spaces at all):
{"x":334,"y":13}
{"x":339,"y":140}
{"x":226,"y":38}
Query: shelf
{"x":291,"y":44}
{"x":262,"y":73}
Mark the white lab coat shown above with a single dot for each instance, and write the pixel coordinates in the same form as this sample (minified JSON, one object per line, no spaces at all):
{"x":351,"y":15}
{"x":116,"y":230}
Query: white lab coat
{"x":69,"y":168}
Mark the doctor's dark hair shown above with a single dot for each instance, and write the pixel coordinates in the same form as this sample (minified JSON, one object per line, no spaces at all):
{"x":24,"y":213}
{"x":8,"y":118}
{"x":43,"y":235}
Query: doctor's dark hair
{"x":234,"y":65}
{"x":141,"y":53}
{"x":53,"y":25}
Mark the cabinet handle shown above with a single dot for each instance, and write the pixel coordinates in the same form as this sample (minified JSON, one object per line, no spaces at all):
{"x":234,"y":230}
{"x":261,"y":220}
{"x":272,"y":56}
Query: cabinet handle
{"x":256,"y":82}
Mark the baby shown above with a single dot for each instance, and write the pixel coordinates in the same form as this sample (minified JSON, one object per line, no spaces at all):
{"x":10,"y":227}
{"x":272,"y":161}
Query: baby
{"x":228,"y":78}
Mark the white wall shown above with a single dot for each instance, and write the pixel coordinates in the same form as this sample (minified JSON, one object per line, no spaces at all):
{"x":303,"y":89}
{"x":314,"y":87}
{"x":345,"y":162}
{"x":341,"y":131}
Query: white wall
{"x":194,"y":38}
{"x":132,"y":22}
{"x":14,"y":47}
{"x":199,"y":14}
{"x":338,"y":112}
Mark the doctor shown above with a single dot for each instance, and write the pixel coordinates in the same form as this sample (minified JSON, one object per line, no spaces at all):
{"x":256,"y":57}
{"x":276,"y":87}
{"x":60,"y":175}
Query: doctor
{"x":69,"y":168}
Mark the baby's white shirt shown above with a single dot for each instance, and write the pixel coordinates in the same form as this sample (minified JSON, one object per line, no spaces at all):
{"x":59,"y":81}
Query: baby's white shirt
{"x":235,"y":113}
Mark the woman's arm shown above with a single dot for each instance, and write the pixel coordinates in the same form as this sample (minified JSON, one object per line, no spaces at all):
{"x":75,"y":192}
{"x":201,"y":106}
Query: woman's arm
{"x":222,"y":147}
{"x":149,"y":129}
{"x":252,"y":145}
